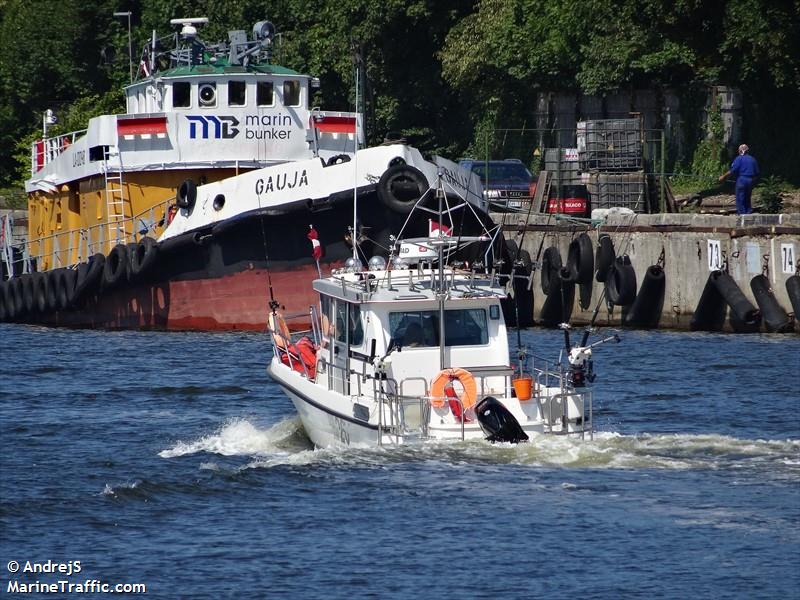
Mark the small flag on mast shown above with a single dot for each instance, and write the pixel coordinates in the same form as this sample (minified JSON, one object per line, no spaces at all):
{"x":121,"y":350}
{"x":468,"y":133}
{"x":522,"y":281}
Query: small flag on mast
{"x":316,"y":247}
{"x":435,"y":228}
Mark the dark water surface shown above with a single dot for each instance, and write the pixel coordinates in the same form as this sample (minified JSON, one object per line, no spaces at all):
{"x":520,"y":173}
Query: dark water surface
{"x":172,"y":460}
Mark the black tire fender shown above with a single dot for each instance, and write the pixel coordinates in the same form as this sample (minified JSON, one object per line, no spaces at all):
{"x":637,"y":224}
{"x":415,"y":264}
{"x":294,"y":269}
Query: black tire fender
{"x":28,"y":298}
{"x":66,"y":287}
{"x":144,"y":257}
{"x":115,"y":269}
{"x":621,"y":282}
{"x":41,"y":292}
{"x":400,"y":187}
{"x":338,"y":159}
{"x":3,"y":310}
{"x":17,"y":295}
{"x":53,"y":284}
{"x":551,"y":265}
{"x":89,"y":275}
{"x":187,"y":194}
{"x":605,"y":256}
{"x":580,"y":259}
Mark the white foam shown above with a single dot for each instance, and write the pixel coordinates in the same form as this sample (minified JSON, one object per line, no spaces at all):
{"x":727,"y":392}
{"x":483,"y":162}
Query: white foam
{"x":284,"y":444}
{"x":235,"y":438}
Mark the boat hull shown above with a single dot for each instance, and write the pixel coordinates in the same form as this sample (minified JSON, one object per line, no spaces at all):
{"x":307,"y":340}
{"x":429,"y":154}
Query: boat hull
{"x":325,"y":423}
{"x":223,"y":277}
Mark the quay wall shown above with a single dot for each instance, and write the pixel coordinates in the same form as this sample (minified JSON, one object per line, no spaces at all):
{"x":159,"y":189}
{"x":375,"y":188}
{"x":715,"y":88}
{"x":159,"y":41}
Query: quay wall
{"x":693,"y":246}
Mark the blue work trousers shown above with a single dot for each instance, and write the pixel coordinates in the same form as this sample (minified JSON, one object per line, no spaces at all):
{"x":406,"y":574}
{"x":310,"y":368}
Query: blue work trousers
{"x":744,"y":189}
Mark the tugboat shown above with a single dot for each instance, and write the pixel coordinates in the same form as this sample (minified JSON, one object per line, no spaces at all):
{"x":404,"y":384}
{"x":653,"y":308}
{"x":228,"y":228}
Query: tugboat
{"x":413,"y":346}
{"x":183,"y":212}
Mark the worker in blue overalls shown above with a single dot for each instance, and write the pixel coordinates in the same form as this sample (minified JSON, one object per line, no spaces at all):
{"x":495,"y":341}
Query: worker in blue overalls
{"x":745,"y":168}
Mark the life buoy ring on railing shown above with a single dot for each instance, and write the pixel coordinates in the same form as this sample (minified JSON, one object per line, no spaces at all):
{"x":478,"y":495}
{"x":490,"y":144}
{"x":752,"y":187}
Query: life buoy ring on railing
{"x":440,"y":392}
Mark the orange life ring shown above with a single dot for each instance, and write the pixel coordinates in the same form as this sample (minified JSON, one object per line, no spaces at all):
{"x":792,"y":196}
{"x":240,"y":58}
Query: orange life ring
{"x":469,"y":395}
{"x":280,"y":331}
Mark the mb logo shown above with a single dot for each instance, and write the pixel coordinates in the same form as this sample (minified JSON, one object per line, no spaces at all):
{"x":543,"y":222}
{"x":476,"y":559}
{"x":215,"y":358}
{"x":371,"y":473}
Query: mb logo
{"x":223,"y":127}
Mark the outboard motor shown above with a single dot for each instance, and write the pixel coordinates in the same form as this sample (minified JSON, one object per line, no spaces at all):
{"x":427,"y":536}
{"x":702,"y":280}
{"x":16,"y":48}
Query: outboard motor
{"x":498,"y":423}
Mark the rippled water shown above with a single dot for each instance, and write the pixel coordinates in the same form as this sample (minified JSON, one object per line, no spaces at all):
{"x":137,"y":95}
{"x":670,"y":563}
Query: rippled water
{"x":172,"y":460}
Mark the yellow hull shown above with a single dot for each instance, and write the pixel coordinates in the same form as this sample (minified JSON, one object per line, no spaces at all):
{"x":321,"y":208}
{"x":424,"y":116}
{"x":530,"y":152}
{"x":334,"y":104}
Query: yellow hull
{"x":77,"y":221}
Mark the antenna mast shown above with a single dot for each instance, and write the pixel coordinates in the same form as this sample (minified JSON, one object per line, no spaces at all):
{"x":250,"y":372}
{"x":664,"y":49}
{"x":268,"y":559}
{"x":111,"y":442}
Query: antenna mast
{"x":357,"y":61}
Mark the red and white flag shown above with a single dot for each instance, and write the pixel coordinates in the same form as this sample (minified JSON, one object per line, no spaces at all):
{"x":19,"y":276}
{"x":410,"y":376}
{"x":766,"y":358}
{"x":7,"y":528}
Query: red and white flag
{"x":434,"y":228}
{"x":316,"y":247}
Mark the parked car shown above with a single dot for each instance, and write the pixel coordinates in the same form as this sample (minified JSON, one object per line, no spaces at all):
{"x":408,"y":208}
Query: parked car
{"x":507,"y":184}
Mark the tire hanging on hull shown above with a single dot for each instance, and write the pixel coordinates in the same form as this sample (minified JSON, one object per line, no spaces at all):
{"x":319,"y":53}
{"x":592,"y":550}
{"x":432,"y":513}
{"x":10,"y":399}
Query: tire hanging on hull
{"x":645,"y":312}
{"x":17,"y":295}
{"x":53,"y":287}
{"x":66,"y":287}
{"x":776,"y":320}
{"x":41,"y":292}
{"x":143,"y":259}
{"x":3,"y":309}
{"x":88,"y":277}
{"x":115,"y":270}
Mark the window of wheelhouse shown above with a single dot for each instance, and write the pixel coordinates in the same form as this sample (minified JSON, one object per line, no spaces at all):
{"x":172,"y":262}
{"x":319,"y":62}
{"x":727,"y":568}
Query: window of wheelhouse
{"x":181,"y":94}
{"x":291,"y":93}
{"x":350,"y":314}
{"x":237,"y":93}
{"x":465,"y":327}
{"x":265,"y":93}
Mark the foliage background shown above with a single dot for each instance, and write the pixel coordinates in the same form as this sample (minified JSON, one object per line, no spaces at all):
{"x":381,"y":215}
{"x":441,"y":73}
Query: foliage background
{"x":443,"y":73}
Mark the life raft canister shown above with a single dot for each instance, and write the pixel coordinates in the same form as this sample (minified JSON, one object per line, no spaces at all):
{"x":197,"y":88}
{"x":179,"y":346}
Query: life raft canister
{"x":442,"y":389}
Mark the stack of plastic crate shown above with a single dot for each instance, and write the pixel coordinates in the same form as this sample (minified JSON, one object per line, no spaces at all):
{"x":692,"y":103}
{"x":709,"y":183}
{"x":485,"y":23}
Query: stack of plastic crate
{"x":611,"y":159}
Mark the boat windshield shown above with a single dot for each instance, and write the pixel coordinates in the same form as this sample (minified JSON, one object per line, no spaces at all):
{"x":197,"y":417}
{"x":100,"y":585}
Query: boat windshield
{"x":464,"y":327}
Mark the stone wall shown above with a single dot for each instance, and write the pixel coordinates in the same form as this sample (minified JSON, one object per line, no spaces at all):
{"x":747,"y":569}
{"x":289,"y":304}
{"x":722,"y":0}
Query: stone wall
{"x":747,"y":246}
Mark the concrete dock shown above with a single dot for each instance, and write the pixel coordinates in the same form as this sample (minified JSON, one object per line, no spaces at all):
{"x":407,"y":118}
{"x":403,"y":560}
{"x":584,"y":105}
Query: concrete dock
{"x":690,"y":247}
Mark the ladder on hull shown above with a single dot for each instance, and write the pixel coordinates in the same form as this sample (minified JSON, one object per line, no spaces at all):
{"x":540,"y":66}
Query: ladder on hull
{"x":115,"y":196}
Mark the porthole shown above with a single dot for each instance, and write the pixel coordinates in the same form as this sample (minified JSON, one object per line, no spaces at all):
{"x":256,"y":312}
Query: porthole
{"x":219,"y":201}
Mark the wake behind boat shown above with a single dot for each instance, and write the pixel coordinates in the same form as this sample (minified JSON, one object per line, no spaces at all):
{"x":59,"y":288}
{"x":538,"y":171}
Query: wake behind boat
{"x":414,"y":346}
{"x":183,"y":212}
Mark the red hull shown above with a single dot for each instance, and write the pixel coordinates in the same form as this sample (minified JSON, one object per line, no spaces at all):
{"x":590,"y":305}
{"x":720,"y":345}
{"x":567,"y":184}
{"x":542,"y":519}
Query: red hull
{"x":239,"y":301}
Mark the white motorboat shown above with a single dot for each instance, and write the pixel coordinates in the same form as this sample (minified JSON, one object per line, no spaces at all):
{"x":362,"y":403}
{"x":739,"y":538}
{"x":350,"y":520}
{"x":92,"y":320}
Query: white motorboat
{"x":414,"y":347}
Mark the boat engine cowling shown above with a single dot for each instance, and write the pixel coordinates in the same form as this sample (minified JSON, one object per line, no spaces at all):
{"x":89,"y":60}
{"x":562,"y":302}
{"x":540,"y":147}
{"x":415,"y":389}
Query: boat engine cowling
{"x":498,"y":423}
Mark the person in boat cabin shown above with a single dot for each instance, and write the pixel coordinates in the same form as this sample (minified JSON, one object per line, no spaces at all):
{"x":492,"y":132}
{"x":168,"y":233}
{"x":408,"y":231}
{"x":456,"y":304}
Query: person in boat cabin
{"x":413,"y":335}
